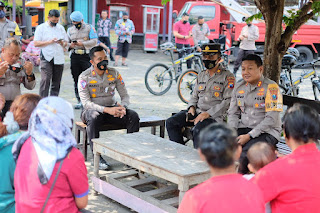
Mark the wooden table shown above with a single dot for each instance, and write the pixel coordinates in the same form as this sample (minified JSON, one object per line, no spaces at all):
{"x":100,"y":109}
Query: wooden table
{"x":156,"y":156}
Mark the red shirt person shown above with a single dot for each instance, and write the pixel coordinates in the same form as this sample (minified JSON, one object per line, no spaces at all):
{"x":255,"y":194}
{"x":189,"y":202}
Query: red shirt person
{"x":182,"y":32}
{"x":291,"y":183}
{"x":226,"y":191}
{"x":39,"y":153}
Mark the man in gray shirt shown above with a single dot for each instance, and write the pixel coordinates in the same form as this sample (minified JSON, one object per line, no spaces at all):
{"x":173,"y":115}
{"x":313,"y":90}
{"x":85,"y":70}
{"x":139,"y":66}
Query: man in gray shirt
{"x":14,"y":72}
{"x":200,"y":32}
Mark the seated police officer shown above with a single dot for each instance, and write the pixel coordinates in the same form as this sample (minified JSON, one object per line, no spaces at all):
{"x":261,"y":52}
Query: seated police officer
{"x":255,"y":108}
{"x":14,"y":72}
{"x":210,"y":98}
{"x":97,"y":87}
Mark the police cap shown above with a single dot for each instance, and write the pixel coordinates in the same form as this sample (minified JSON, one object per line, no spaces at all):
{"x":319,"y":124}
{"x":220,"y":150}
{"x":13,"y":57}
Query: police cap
{"x":2,"y":4}
{"x":211,"y":48}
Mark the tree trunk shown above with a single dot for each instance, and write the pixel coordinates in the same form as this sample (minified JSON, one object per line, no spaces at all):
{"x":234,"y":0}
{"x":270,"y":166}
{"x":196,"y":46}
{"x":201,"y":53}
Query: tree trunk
{"x":272,"y":11}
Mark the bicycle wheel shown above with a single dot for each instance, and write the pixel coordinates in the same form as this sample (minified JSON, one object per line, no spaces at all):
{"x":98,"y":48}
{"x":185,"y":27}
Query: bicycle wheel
{"x":316,"y":90}
{"x":186,"y":83}
{"x":284,"y":90}
{"x":158,"y":79}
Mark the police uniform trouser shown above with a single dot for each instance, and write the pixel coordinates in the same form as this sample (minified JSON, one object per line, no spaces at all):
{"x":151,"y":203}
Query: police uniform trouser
{"x":95,"y":119}
{"x":79,"y":63}
{"x":241,"y":54}
{"x":264,"y":137}
{"x":175,"y":124}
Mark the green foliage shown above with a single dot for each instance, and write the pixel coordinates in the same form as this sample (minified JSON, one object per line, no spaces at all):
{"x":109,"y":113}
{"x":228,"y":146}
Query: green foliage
{"x":164,"y":2}
{"x":255,"y":16}
{"x":316,"y":8}
{"x":289,"y":20}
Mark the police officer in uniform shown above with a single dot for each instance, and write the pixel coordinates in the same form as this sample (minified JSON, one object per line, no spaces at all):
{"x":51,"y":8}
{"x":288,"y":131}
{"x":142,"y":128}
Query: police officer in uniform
{"x":97,"y":87}
{"x":14,"y":72}
{"x":210,"y":98}
{"x":255,"y":108}
{"x":82,"y":37}
{"x":8,"y":28}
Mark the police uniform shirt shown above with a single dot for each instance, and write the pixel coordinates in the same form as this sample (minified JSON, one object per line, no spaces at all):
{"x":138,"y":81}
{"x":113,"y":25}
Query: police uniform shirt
{"x":249,"y":108}
{"x":10,"y":83}
{"x":97,"y":92}
{"x":86,"y":34}
{"x":8,"y":30}
{"x":212,"y":94}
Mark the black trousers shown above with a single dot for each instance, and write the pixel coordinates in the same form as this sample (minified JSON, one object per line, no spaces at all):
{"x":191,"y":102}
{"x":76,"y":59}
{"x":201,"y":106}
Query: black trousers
{"x":50,"y":74}
{"x":182,"y":53}
{"x":106,"y":41}
{"x":79,"y":63}
{"x":175,"y":124}
{"x":123,"y":49}
{"x":264,"y":137}
{"x":241,"y":54}
{"x":6,"y":108}
{"x":95,"y":119}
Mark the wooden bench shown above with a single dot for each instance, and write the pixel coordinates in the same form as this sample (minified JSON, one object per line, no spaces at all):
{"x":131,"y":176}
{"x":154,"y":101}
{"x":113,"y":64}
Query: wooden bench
{"x":160,"y":159}
{"x":151,"y":121}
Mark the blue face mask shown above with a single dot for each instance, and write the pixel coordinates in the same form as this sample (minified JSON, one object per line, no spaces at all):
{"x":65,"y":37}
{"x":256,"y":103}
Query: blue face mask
{"x":2,"y":14}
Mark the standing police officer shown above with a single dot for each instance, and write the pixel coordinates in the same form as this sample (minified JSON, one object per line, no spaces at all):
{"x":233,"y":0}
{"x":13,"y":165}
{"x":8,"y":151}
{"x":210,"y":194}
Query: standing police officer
{"x":82,"y":37}
{"x":97,"y":87}
{"x":210,"y":98}
{"x":8,"y":28}
{"x":255,"y":108}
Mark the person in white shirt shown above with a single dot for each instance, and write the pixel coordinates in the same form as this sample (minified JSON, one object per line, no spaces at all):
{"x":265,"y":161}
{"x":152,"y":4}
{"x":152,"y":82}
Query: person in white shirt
{"x":51,"y":38}
{"x":249,"y":34}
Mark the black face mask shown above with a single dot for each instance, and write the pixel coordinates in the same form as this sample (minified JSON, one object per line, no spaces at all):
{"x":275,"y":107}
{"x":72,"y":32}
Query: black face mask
{"x":249,"y":25}
{"x":53,"y":24}
{"x":125,"y":19}
{"x":103,"y":65}
{"x":78,"y":26}
{"x":200,"y":25}
{"x":15,"y":69}
{"x":209,"y":64}
{"x":184,"y":22}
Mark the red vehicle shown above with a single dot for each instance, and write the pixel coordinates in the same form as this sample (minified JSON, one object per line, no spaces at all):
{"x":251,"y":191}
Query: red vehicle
{"x":306,"y":39}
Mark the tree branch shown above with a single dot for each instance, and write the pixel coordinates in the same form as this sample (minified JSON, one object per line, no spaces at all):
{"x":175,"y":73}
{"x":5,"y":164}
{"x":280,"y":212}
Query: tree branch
{"x":298,"y":21}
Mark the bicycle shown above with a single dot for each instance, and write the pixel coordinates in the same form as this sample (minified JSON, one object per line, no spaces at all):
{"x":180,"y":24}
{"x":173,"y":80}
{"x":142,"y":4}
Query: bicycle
{"x":188,"y":78}
{"x":290,"y":87}
{"x":162,"y":75}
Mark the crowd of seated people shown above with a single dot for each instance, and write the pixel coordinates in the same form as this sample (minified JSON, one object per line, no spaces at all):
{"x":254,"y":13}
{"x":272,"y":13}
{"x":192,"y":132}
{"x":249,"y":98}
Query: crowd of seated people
{"x":43,"y":171}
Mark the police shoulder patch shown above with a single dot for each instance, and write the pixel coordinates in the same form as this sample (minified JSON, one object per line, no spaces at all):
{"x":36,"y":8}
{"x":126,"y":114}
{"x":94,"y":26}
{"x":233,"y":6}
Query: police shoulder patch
{"x":273,"y":100}
{"x":83,"y":84}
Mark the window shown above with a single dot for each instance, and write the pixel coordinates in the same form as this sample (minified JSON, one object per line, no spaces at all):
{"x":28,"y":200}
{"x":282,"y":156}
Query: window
{"x":208,"y":13}
{"x":185,"y":9}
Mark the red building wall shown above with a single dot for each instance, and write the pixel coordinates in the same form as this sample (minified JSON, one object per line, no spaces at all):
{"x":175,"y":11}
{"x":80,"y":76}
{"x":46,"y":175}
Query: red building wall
{"x":136,"y":11}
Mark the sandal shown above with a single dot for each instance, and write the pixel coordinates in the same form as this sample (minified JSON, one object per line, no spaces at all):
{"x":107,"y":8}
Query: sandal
{"x":124,"y":64}
{"x":115,"y":64}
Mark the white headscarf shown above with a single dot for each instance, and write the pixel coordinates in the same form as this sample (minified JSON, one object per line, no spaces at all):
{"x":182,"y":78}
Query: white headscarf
{"x":50,"y":127}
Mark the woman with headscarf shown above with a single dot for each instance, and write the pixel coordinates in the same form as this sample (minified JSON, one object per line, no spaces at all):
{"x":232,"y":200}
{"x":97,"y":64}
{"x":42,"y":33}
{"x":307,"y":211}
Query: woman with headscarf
{"x":14,"y":125}
{"x":50,"y":175}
